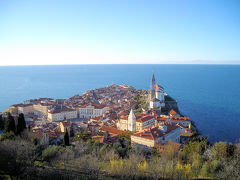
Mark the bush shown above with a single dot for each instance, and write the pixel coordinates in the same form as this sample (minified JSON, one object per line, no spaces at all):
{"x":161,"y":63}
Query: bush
{"x":7,"y":135}
{"x":50,"y":154}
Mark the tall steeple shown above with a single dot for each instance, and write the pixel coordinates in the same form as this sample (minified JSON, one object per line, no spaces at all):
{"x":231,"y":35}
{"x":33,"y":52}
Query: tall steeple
{"x":131,"y":121}
{"x":152,"y":87}
{"x":153,"y":82}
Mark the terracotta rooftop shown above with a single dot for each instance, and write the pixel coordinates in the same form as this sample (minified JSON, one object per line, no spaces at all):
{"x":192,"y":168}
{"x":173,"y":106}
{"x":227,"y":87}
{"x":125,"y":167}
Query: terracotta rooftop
{"x":144,"y":118}
{"x":185,"y":134}
{"x":172,"y":112}
{"x":37,"y":134}
{"x":180,"y":118}
{"x":97,"y":118}
{"x":124,"y":117}
{"x":65,"y":109}
{"x":154,"y":132}
{"x":112,"y":130}
{"x":100,"y":138}
{"x":162,"y":118}
{"x":96,"y":106}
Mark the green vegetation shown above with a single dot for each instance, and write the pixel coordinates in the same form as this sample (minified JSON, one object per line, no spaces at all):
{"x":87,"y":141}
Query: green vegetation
{"x":168,"y":98}
{"x":10,"y":124}
{"x":155,"y":109}
{"x":82,"y":136}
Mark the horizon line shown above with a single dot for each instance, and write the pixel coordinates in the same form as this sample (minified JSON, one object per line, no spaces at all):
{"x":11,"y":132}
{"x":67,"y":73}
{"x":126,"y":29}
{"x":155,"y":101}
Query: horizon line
{"x":124,"y":64}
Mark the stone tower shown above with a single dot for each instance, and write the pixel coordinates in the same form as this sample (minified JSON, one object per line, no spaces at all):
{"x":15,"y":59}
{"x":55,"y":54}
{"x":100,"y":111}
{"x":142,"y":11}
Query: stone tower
{"x":131,"y":121}
{"x":153,"y":82}
{"x":152,"y":87}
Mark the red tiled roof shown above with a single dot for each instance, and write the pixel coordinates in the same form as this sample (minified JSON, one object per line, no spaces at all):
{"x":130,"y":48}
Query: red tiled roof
{"x":61,"y":110}
{"x":124,"y":117}
{"x":144,"y":118}
{"x":100,"y":138}
{"x":96,"y":106}
{"x":37,"y":134}
{"x":154,"y":132}
{"x":186,"y":134}
{"x":172,"y":112}
{"x":112,"y":130}
{"x":162,"y":118}
{"x":123,"y":113}
{"x":181,"y":118}
{"x":97,"y":118}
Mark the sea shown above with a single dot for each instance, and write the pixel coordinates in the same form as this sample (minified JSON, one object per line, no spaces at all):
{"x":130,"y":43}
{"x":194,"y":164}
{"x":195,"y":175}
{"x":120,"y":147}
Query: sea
{"x":208,"y":94}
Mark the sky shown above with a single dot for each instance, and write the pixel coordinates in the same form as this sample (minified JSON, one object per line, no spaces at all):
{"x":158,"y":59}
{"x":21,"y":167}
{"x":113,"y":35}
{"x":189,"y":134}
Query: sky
{"x":38,"y":32}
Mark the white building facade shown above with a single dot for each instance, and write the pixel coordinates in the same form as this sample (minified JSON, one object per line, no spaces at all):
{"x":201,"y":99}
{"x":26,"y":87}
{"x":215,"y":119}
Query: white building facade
{"x":62,"y":114}
{"x":91,"y":111}
{"x":25,"y":109}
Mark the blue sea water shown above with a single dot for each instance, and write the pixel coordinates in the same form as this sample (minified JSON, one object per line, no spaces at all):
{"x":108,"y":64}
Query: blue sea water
{"x":208,"y":94}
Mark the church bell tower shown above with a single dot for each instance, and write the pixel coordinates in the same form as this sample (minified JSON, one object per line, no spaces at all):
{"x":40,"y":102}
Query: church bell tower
{"x":152,"y":87}
{"x":131,"y":121}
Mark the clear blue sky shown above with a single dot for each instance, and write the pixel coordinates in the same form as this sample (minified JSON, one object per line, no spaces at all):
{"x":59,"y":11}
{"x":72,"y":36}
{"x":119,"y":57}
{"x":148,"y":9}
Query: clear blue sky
{"x":119,"y":31}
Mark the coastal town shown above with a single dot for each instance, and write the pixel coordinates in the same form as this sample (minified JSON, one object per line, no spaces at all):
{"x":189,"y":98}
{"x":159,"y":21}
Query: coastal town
{"x":150,"y":118}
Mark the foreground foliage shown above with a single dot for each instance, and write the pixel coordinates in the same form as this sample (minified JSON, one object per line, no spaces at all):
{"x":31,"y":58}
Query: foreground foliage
{"x":87,"y":158}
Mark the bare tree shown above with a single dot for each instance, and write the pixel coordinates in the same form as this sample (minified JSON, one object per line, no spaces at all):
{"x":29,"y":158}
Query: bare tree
{"x":16,"y":157}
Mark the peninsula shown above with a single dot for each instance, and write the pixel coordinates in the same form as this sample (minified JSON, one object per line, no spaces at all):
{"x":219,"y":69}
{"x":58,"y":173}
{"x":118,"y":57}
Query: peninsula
{"x":116,"y":109}
{"x":116,"y":132}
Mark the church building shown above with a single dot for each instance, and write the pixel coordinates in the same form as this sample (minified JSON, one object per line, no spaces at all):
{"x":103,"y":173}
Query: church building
{"x":136,"y":122}
{"x":156,"y":95}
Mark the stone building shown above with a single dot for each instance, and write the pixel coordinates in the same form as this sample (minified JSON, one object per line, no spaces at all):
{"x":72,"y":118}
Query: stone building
{"x":90,"y":111}
{"x":157,"y":134}
{"x":136,"y":122}
{"x":62,"y":114}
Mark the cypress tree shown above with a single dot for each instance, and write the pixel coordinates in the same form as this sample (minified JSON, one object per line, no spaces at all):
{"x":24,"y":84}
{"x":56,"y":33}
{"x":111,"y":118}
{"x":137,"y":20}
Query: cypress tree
{"x":21,"y":124}
{"x":66,"y":138}
{"x":1,"y":123}
{"x":71,"y":131}
{"x":10,"y":124}
{"x":23,"y":121}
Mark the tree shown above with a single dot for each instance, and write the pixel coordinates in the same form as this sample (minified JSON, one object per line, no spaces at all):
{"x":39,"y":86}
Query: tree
{"x":10,"y":124}
{"x":71,"y":131}
{"x":66,"y":138}
{"x":84,"y":136}
{"x":107,"y":137}
{"x":219,"y":150}
{"x":1,"y":123}
{"x":21,"y":124}
{"x":52,"y":153}
{"x":121,"y":147}
{"x":17,"y":158}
